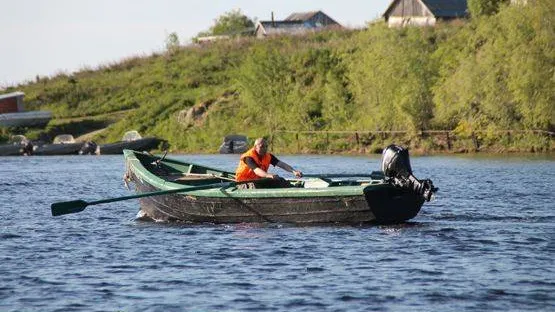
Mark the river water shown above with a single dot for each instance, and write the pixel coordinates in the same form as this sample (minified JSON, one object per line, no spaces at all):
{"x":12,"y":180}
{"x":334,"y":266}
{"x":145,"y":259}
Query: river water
{"x":486,"y":243}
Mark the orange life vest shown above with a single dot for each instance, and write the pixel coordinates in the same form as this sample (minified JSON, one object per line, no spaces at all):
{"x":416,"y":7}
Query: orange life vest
{"x":244,"y":173}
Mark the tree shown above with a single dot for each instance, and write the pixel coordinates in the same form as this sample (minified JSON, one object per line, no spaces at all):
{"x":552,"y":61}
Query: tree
{"x":391,"y":76}
{"x":265,"y":84}
{"x":233,"y":22}
{"x":172,"y":43}
{"x":484,"y":7}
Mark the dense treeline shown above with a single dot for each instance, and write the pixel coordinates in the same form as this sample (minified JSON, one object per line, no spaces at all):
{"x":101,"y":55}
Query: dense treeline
{"x":478,"y":78}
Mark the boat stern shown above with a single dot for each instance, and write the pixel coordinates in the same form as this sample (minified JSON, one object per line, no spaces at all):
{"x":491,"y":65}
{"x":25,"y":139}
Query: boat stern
{"x":402,"y":195}
{"x":391,"y":204}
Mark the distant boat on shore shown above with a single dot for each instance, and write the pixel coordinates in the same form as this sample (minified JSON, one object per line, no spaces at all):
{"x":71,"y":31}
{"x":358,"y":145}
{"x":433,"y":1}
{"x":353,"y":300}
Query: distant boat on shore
{"x":63,"y":144}
{"x":234,"y":144}
{"x":18,"y":145}
{"x":131,"y":140}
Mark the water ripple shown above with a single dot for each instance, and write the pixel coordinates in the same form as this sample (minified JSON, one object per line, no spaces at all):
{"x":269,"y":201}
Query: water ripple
{"x":486,"y":243}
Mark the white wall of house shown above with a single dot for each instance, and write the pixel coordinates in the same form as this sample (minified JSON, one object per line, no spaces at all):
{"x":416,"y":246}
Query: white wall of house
{"x":400,"y":21}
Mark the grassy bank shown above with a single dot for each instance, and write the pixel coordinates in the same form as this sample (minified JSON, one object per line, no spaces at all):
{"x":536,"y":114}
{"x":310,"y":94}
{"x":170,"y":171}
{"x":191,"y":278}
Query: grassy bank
{"x":481,"y":80}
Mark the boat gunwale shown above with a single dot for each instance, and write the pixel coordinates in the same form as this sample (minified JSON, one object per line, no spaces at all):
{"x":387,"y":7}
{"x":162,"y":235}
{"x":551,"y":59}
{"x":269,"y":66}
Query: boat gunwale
{"x":141,"y":172}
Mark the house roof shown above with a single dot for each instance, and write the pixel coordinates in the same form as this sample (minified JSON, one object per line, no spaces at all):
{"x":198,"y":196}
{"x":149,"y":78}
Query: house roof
{"x":439,"y":8}
{"x":281,"y":23}
{"x":305,"y":16}
{"x":301,"y":16}
{"x":296,"y":22}
{"x":10,"y":95}
{"x":447,"y":8}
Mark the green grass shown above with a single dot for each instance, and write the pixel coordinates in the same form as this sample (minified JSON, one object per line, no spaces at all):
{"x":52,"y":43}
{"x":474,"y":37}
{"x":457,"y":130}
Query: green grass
{"x":465,"y":77}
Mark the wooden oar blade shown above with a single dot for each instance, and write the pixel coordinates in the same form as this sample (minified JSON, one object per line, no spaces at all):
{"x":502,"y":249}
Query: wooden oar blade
{"x":68,"y":207}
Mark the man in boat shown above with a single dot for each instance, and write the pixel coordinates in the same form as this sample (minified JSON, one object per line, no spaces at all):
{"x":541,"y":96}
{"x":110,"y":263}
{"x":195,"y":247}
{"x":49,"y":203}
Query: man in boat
{"x":254,"y":164}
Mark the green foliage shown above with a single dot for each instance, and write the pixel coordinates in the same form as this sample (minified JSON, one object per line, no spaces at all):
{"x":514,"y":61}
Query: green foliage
{"x":484,"y":7}
{"x":265,"y":82}
{"x":233,"y":22}
{"x":391,"y":77}
{"x":498,"y":72}
{"x":4,"y":135}
{"x":480,"y":78}
{"x":172,"y":43}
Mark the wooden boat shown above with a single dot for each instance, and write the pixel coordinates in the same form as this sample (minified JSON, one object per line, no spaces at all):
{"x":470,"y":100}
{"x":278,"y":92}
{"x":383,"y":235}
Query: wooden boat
{"x":234,"y":144}
{"x":131,"y":140}
{"x":351,"y":200}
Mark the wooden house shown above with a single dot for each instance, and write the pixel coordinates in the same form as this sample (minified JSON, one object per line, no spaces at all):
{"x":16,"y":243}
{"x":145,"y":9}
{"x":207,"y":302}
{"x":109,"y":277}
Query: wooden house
{"x":12,"y":113}
{"x":296,"y":23}
{"x":11,"y":102}
{"x":424,"y":12}
{"x":273,"y":28}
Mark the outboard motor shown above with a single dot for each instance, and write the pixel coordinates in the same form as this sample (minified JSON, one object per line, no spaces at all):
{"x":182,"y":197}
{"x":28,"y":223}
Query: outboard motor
{"x":89,"y":148}
{"x":396,"y":168}
{"x":26,"y":148}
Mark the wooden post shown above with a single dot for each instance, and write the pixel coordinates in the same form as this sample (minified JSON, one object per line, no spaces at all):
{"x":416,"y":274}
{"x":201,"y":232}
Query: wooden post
{"x":448,"y":141}
{"x":475,"y":141}
{"x":357,"y":139}
{"x":298,"y":143}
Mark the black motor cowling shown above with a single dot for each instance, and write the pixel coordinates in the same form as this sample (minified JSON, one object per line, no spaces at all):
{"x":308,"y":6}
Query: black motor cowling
{"x":89,"y":148}
{"x":26,"y":148}
{"x":396,"y":168}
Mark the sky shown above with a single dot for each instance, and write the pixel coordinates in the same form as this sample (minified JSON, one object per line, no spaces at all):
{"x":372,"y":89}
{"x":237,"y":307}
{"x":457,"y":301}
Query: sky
{"x":48,"y":37}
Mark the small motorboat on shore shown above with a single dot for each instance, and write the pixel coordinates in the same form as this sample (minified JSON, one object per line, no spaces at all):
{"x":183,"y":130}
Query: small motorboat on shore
{"x":131,"y":140}
{"x":18,"y":145}
{"x":63,"y":144}
{"x":234,"y":144}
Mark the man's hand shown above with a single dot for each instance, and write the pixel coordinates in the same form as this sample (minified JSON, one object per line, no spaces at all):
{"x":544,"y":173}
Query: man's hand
{"x":298,"y":174}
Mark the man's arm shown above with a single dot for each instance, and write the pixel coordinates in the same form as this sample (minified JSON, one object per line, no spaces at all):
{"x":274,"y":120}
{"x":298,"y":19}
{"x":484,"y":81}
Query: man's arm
{"x":288,"y":168}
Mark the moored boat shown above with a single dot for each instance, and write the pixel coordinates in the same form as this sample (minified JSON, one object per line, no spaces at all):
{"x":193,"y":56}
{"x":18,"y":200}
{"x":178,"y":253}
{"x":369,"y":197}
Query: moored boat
{"x":63,"y":144}
{"x":234,"y":144}
{"x":18,"y":145}
{"x":394,"y":196}
{"x":131,"y":140}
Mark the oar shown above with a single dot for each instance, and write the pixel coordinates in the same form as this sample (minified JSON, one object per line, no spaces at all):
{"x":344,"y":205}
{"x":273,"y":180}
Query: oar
{"x":79,"y":205}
